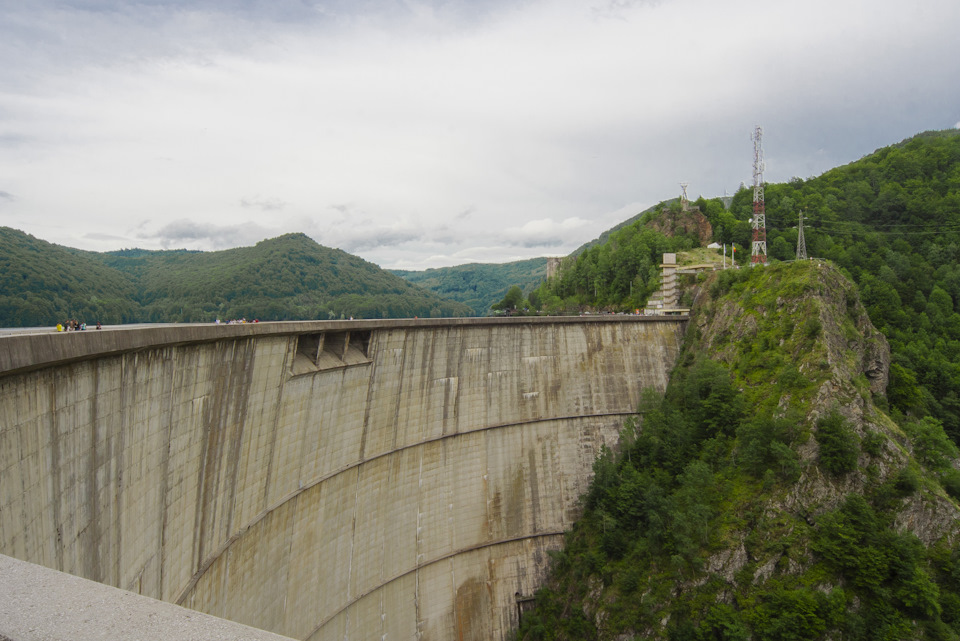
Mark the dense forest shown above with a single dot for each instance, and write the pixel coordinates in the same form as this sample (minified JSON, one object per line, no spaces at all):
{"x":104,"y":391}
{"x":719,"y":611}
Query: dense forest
{"x":285,"y":278}
{"x":479,"y":284}
{"x":767,"y":494}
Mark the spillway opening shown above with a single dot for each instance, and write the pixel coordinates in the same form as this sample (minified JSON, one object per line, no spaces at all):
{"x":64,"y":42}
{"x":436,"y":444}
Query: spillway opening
{"x":328,"y":350}
{"x":361,"y":341}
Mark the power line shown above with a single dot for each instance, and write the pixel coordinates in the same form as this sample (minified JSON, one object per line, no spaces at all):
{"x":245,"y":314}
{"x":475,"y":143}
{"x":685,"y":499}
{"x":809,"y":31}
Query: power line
{"x":853,"y":227}
{"x":897,"y":233}
{"x":854,"y":222}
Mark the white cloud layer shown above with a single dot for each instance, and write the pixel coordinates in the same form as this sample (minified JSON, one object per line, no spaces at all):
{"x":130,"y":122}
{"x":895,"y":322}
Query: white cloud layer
{"x":430,"y":133}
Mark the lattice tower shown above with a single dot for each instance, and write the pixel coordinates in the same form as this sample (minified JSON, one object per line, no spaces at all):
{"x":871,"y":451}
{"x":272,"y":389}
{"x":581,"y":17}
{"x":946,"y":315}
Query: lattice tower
{"x":758,"y":249}
{"x":801,"y":242}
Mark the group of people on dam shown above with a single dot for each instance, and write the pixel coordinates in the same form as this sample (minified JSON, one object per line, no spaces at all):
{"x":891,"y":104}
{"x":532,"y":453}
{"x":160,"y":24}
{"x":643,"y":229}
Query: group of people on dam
{"x":74,"y":325}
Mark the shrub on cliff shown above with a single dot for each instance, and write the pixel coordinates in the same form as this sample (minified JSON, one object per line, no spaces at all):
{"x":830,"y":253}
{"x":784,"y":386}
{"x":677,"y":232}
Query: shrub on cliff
{"x":839,"y":445}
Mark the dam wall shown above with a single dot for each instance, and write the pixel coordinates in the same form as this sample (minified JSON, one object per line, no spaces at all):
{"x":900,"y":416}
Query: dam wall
{"x":320,"y":480}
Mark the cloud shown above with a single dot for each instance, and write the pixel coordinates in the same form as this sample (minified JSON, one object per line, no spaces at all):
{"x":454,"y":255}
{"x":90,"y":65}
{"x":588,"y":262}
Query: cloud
{"x":111,"y":238}
{"x":544,"y":232}
{"x":263,"y":204}
{"x":189,"y":235}
{"x":365,"y":240}
{"x":6,"y":195}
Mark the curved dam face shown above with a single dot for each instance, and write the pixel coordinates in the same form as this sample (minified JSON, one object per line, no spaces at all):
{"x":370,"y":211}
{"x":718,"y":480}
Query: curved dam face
{"x":360,"y":480}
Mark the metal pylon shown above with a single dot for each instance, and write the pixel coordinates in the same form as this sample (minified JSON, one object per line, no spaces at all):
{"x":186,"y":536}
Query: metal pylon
{"x":801,"y":242}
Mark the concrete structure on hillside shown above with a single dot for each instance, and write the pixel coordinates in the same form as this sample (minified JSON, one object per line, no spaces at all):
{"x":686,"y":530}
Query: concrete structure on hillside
{"x":553,"y":266}
{"x":319,"y":480}
{"x":665,"y":301}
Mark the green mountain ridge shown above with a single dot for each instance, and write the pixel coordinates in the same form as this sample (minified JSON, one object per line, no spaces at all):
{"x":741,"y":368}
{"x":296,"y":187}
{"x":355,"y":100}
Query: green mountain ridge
{"x":284,"y":278}
{"x":479,"y":285}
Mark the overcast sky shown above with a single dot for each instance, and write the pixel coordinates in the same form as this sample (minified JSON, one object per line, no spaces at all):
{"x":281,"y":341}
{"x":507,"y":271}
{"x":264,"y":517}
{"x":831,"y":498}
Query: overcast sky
{"x":424,"y":133}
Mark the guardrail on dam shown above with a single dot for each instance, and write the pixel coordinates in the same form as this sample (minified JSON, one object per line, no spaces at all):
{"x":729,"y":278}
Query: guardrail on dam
{"x":320,"y":480}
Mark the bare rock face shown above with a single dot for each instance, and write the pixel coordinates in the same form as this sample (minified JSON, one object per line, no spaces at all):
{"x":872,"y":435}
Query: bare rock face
{"x":691,"y":222}
{"x":868,"y":347}
{"x":876,"y":365}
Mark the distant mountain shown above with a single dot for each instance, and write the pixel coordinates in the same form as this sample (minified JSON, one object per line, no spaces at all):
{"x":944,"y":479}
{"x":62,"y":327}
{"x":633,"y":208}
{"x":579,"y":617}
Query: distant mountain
{"x":479,"y":285}
{"x":284,"y":278}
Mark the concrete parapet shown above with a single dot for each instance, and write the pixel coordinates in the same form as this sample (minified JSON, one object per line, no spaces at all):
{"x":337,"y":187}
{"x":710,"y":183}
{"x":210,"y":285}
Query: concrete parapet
{"x":319,"y":480}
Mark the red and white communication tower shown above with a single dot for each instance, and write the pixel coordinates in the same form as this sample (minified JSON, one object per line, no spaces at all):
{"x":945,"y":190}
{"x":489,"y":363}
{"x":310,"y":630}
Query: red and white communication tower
{"x":758,"y":250}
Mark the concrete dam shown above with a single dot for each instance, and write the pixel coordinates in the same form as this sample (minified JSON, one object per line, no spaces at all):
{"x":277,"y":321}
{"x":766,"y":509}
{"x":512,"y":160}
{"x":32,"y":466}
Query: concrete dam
{"x":389,"y":479}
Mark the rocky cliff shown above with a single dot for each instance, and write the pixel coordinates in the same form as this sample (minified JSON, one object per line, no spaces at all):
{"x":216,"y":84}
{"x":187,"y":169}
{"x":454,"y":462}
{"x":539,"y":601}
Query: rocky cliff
{"x":769,"y":494}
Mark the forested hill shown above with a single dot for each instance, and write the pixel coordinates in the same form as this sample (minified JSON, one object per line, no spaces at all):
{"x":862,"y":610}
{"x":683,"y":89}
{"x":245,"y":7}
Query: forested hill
{"x":479,"y":285}
{"x":284,"y":278}
{"x":768,"y":494}
{"x":891,"y":220}
{"x":794,"y":482}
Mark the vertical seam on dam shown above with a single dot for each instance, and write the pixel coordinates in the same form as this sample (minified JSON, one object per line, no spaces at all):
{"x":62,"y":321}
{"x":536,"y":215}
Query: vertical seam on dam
{"x":416,"y":594}
{"x":166,"y":435}
{"x":55,"y":477}
{"x":284,"y":377}
{"x":91,"y":533}
{"x":353,"y":538}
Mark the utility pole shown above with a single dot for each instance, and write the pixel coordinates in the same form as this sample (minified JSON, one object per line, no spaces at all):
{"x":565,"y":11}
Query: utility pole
{"x":758,"y":250}
{"x":801,"y":242}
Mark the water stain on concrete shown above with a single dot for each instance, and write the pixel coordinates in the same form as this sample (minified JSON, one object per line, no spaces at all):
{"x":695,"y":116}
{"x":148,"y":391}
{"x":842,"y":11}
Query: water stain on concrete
{"x":473,"y":607}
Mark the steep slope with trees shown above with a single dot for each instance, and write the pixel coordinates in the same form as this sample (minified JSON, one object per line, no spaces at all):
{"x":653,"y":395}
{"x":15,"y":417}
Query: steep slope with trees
{"x":621,"y":273}
{"x":768,"y":494}
{"x":890,"y":219}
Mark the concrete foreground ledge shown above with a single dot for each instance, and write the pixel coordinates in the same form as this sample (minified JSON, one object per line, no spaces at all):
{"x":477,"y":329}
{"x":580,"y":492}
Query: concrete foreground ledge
{"x":40,"y":604}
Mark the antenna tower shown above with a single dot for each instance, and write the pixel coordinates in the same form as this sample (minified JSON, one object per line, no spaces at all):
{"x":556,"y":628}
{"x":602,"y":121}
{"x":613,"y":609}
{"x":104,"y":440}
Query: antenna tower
{"x":758,"y":250}
{"x":801,"y":243}
{"x":684,"y":202}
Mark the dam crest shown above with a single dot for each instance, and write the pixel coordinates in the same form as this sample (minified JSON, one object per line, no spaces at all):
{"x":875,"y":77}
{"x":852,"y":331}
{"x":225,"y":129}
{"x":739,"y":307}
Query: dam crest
{"x":394,"y":479}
